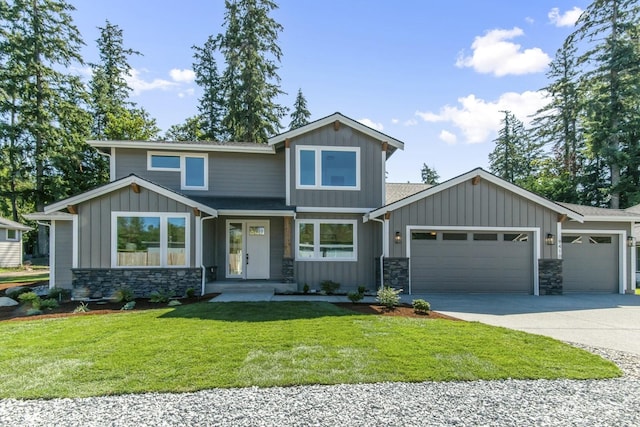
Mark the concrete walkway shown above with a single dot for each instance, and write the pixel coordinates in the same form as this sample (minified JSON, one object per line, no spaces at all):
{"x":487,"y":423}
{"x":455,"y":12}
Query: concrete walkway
{"x":601,"y":320}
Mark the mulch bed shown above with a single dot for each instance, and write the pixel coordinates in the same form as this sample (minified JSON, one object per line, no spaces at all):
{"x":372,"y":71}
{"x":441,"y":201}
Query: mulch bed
{"x":401,"y":311}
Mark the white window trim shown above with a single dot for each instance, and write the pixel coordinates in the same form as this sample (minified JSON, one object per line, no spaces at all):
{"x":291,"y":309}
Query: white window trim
{"x":318,"y":167}
{"x":316,"y":239}
{"x":183,"y":167}
{"x":163,"y":238}
{"x":15,"y":239}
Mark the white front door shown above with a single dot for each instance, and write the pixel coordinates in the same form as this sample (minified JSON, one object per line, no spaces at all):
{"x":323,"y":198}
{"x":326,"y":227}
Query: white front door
{"x":248,"y":249}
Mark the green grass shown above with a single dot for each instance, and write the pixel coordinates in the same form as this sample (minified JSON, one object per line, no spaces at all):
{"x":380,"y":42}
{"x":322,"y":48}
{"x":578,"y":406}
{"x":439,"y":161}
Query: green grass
{"x":25,"y":278}
{"x":206,"y":345}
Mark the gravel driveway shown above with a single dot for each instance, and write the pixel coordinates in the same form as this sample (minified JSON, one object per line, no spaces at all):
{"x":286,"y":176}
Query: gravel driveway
{"x":496,"y":403}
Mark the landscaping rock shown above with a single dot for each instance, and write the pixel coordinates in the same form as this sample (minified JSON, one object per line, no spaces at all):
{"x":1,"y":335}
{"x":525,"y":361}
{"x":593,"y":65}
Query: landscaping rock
{"x":14,"y":289}
{"x":7,"y":302}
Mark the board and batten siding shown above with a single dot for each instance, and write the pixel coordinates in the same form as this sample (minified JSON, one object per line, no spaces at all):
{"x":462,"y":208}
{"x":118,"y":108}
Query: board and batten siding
{"x":230,"y":174}
{"x":94,"y":222}
{"x":10,"y":251}
{"x":350,"y":274}
{"x":371,"y":173}
{"x":63,"y":254}
{"x":468,"y":205}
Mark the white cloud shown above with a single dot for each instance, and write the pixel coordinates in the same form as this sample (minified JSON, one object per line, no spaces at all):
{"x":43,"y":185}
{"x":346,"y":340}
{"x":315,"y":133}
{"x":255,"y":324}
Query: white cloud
{"x":183,"y":76}
{"x":495,"y":53}
{"x":410,"y":122}
{"x":448,"y":137}
{"x":529,"y":20}
{"x":395,"y":121}
{"x":567,"y":19}
{"x":186,"y":93}
{"x":139,"y":85}
{"x":479,"y":119}
{"x":372,"y":124}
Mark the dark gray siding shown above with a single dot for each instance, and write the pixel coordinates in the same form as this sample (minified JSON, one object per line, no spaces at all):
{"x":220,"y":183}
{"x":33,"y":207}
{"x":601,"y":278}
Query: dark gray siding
{"x":371,"y":173}
{"x":230,"y":174}
{"x":63,"y":253}
{"x":349,"y":274}
{"x":94,"y":220}
{"x":482,"y":205}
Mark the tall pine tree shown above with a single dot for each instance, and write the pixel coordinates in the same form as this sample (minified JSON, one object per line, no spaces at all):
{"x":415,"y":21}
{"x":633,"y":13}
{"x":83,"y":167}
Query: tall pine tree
{"x":300,"y":115}
{"x":211,"y":105}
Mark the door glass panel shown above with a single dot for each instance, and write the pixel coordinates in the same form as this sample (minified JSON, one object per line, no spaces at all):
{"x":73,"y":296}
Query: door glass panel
{"x":236,"y":257}
{"x":176,"y":241}
{"x":256,"y":230}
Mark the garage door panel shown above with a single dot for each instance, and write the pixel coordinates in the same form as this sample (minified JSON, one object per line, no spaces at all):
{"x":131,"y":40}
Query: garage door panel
{"x":590,"y":263}
{"x":471,"y":265}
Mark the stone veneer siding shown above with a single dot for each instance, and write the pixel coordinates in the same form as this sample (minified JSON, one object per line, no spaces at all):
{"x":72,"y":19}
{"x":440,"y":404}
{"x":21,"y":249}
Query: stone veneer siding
{"x":97,"y":283}
{"x":288,"y":275}
{"x":550,"y":276}
{"x":396,"y":273}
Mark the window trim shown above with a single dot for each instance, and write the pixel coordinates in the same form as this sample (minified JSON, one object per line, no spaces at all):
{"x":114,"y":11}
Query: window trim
{"x":318,"y":167}
{"x":316,"y":239}
{"x":183,"y":167}
{"x":163,"y":238}
{"x":16,"y":237}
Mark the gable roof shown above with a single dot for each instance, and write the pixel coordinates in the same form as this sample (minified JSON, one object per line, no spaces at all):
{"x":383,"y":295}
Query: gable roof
{"x":124,"y":182}
{"x":395,"y":191}
{"x":592,"y":213}
{"x":12,"y":225}
{"x":220,"y":146}
{"x":375,"y":134}
{"x":478,"y":172}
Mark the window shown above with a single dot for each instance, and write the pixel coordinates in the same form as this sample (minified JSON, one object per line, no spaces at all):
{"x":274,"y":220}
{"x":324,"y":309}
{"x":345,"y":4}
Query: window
{"x":486,"y":237}
{"x":572,"y":240}
{"x":326,"y":240}
{"x":12,"y":235}
{"x":600,"y":240}
{"x":454,"y":236}
{"x":150,"y":240}
{"x":424,"y":235}
{"x":516,"y":237}
{"x":192,"y":167}
{"x":335,"y":168}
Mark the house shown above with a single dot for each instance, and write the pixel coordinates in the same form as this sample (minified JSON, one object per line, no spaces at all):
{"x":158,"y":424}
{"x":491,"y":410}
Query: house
{"x":312,"y":205}
{"x":11,"y":242}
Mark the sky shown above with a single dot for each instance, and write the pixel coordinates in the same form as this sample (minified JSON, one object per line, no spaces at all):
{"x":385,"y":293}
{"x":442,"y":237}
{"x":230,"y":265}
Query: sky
{"x":433,"y":74}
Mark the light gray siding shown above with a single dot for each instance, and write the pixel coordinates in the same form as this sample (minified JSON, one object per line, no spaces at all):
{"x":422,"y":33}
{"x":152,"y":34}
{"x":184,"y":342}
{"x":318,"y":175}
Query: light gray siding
{"x":10,"y":251}
{"x":350,"y":274}
{"x":481,"y":205}
{"x":371,"y":173}
{"x":230,"y":174}
{"x":63,"y":253}
{"x":94,"y":220}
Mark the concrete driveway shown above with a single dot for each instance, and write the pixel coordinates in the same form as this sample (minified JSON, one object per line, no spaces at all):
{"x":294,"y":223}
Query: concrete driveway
{"x":602,"y":320}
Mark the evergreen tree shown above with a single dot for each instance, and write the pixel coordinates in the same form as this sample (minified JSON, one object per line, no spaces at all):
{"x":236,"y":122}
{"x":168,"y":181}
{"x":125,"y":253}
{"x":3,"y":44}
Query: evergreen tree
{"x":190,"y":130}
{"x":301,"y":114}
{"x":250,"y":81}
{"x":39,"y":40}
{"x":429,"y":175}
{"x":211,"y":106}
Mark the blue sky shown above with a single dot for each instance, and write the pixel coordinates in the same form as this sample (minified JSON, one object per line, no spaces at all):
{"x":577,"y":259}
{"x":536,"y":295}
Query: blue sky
{"x":434,"y":74}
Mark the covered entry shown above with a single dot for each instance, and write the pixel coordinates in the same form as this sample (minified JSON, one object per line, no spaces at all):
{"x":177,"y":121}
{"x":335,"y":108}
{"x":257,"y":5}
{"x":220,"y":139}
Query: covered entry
{"x":591,"y":262}
{"x":471,"y":260}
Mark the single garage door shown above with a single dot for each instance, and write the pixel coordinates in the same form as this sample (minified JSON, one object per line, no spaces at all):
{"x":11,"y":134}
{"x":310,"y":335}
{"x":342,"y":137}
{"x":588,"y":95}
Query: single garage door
{"x":590,"y":263}
{"x":454,"y":261}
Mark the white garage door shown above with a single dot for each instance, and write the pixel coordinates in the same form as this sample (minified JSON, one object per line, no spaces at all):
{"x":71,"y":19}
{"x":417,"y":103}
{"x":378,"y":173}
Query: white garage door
{"x":455,"y":261}
{"x":590,"y":262}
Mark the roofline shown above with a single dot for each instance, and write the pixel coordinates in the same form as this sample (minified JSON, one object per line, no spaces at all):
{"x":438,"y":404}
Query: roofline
{"x":175,"y":146}
{"x":343,"y":119}
{"x":13,"y":225}
{"x":257,"y":212}
{"x":607,"y":218}
{"x":54,"y":216}
{"x":121,"y":183}
{"x":469,"y":175}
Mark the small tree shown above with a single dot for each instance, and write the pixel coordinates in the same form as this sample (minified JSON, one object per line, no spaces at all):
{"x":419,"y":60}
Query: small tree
{"x":301,"y":114}
{"x":429,"y":175}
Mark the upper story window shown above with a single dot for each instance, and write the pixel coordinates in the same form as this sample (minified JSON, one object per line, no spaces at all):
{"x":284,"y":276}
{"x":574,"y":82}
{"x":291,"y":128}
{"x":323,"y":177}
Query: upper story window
{"x":193,"y":168}
{"x":12,"y":235}
{"x":328,"y":168}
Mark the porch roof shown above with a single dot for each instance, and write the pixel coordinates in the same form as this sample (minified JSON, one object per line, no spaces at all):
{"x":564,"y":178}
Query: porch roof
{"x":262,"y":206}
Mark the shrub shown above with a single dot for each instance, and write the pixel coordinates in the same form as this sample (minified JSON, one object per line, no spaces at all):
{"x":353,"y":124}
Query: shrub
{"x":48,"y":303}
{"x":82,"y":308}
{"x":129,"y":306}
{"x":355,"y":296}
{"x":305,"y":289}
{"x":59,"y":293}
{"x":362,"y":289}
{"x":123,"y":295}
{"x":173,"y":303}
{"x":421,"y":306}
{"x":30,"y":298}
{"x":159,"y":296}
{"x":15,"y":293}
{"x":389,"y":297}
{"x":33,"y":312}
{"x":329,"y":286}
{"x":190,"y":292}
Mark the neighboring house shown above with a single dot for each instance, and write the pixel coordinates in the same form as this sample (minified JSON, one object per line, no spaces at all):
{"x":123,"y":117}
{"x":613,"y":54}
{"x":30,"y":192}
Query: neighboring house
{"x":11,"y":242}
{"x":312,"y":205}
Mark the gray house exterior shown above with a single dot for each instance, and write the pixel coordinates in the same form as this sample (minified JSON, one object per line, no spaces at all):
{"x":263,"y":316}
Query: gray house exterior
{"x":312,"y":205}
{"x":11,"y":242}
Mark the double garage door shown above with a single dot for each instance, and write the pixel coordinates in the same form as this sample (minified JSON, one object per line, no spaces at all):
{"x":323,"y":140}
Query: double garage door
{"x":468,"y":261}
{"x":590,"y":263}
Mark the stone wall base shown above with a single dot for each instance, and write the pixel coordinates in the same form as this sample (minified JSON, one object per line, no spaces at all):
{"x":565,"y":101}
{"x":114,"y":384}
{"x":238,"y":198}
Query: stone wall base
{"x":288,"y":275}
{"x":97,"y":283}
{"x":550,"y":276}
{"x":396,"y":273}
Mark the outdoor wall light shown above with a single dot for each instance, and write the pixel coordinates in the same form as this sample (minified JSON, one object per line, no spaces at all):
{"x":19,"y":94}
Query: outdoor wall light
{"x":550,"y":239}
{"x":398,"y":237}
{"x":631,"y":241}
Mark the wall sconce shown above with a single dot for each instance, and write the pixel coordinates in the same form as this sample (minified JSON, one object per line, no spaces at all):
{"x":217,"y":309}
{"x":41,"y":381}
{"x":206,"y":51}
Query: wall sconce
{"x":398,"y":237}
{"x":631,"y":241}
{"x":550,"y":239}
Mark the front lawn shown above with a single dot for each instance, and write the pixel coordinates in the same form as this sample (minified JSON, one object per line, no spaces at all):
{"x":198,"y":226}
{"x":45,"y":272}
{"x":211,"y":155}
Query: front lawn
{"x":24,"y":278}
{"x":207,"y":345}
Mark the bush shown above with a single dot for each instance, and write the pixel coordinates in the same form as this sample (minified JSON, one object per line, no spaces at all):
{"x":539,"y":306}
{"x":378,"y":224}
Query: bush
{"x":123,"y":295}
{"x":362,"y":289}
{"x":389,"y":297}
{"x":355,"y":296}
{"x":59,"y":293}
{"x":173,"y":303}
{"x":33,"y":312}
{"x":129,"y":306}
{"x":329,"y":286}
{"x":421,"y":306}
{"x":305,"y":289}
{"x":30,"y":298}
{"x":190,"y":292}
{"x":160,"y":297}
{"x":82,"y":308}
{"x":48,"y":303}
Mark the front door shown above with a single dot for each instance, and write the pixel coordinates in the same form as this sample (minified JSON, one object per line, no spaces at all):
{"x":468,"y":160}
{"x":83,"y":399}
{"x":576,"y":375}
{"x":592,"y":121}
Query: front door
{"x":248,"y":249}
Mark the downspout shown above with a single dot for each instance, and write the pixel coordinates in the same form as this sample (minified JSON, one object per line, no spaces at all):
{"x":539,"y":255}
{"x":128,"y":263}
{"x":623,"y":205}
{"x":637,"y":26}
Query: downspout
{"x":111,"y":169}
{"x":202,"y":267}
{"x":381,"y":255}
